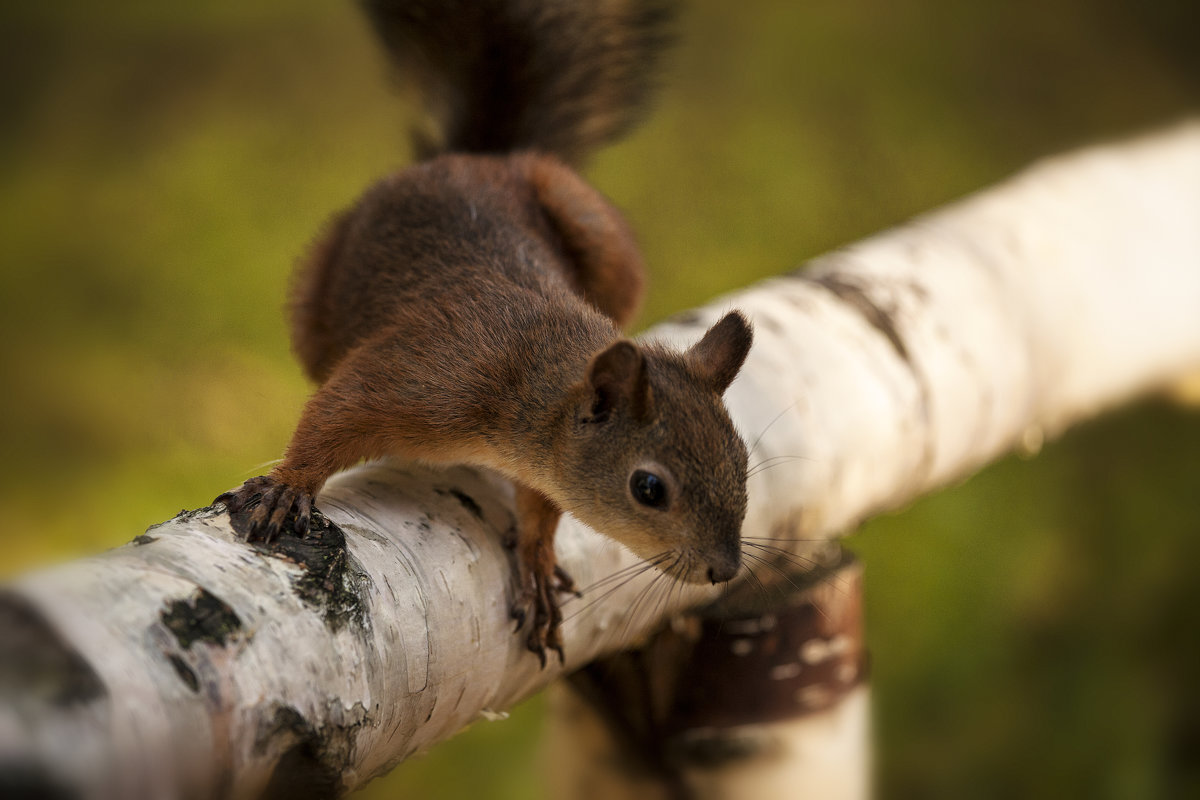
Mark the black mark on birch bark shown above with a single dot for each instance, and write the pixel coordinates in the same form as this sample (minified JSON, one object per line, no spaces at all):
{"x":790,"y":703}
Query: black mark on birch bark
{"x":331,"y":581}
{"x":202,"y":618}
{"x":468,"y":502}
{"x":185,"y":673}
{"x":37,"y":664}
{"x":301,"y":771}
{"x":143,"y":539}
{"x":313,"y":758}
{"x":854,"y":295}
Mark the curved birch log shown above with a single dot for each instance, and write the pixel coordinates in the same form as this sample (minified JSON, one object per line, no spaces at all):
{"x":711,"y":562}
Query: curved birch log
{"x":189,"y":664}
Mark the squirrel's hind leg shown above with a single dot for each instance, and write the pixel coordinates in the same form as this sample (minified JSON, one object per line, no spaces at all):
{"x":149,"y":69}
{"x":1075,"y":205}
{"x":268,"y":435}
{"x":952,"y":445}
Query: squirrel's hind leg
{"x":603,"y":262}
{"x":539,"y":577}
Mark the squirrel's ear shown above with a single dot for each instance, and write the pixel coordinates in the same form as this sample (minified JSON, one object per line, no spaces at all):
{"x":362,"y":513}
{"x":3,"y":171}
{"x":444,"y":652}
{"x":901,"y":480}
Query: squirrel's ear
{"x":718,"y":356}
{"x":616,"y":376}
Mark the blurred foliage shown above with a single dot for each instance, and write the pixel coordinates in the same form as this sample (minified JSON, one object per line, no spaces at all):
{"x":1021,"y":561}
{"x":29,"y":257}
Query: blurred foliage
{"x":1035,"y":631}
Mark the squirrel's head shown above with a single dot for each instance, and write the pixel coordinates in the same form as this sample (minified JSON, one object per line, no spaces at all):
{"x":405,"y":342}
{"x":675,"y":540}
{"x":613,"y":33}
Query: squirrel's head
{"x":657,"y":463}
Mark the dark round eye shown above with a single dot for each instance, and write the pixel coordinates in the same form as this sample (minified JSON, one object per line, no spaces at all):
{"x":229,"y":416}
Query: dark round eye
{"x":648,"y":489}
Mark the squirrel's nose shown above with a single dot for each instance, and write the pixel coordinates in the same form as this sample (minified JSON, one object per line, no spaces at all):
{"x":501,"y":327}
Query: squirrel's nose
{"x":725,"y":559}
{"x":723,"y":572}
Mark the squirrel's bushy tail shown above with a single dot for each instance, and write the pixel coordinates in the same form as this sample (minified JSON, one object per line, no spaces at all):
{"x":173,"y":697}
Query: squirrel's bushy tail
{"x":560,"y":76}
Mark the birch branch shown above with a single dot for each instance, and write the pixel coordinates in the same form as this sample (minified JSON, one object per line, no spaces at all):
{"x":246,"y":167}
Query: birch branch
{"x":189,"y":664}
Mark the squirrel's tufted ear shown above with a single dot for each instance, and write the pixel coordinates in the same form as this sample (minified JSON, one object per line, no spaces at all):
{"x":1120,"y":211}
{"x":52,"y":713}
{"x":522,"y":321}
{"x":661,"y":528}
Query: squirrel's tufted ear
{"x":617,"y":376}
{"x":718,"y":356}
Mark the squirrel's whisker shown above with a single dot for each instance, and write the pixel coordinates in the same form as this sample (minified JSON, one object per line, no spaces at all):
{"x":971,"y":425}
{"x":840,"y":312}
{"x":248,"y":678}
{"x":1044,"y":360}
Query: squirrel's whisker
{"x":637,"y":570}
{"x":774,"y":419}
{"x":772,"y":462}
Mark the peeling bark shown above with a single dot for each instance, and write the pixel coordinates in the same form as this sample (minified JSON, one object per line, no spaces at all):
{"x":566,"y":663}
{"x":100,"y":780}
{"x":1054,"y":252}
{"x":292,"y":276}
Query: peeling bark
{"x":190,"y":664}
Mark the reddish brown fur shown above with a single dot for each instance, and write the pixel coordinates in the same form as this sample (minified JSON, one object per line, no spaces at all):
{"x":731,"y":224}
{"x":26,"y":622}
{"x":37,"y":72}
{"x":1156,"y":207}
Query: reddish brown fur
{"x":434,"y":341}
{"x":603,"y":258}
{"x":403,"y":242}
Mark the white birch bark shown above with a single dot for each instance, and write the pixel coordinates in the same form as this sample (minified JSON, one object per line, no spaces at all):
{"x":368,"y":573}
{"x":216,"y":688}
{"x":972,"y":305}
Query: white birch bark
{"x":194,"y":665}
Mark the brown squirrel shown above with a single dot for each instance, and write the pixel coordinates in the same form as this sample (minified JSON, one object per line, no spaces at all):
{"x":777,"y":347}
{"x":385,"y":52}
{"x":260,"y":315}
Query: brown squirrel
{"x":465,"y":310}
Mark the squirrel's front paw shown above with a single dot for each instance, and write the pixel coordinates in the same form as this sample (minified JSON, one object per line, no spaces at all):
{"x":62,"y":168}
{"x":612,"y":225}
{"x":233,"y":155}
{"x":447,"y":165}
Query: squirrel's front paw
{"x":273,"y":506}
{"x":539,"y":599}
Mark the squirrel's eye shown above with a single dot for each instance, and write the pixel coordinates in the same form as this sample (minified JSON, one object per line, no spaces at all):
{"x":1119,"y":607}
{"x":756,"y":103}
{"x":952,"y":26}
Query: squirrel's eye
{"x":648,"y":489}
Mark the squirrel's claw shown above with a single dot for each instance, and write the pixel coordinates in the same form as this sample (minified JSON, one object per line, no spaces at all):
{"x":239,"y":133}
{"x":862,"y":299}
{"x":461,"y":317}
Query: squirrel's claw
{"x":517,"y":613}
{"x":538,"y":605}
{"x":237,"y":499}
{"x":271,"y":505}
{"x":566,"y":584}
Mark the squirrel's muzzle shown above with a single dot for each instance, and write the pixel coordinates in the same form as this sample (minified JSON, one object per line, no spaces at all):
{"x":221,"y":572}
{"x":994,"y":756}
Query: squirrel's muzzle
{"x":725,"y":567}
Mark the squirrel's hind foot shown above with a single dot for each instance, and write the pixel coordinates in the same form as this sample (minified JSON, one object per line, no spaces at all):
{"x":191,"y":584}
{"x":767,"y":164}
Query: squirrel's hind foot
{"x":537,"y":605}
{"x":262,"y":508}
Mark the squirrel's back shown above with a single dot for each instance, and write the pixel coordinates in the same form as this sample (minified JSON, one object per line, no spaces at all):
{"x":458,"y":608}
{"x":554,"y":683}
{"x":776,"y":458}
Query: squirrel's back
{"x":517,"y":89}
{"x":556,"y":76}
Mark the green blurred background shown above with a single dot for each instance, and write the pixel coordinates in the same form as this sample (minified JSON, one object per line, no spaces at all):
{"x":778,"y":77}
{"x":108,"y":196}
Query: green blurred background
{"x":1035,"y":631}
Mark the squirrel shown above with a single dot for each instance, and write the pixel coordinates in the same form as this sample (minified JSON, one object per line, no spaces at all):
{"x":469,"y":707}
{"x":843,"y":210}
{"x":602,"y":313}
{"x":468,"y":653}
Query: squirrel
{"x":468,"y":309}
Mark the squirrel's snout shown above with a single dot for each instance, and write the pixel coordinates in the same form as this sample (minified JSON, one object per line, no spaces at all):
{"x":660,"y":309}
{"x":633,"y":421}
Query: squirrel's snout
{"x":724,"y":560}
{"x":725,"y":571}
